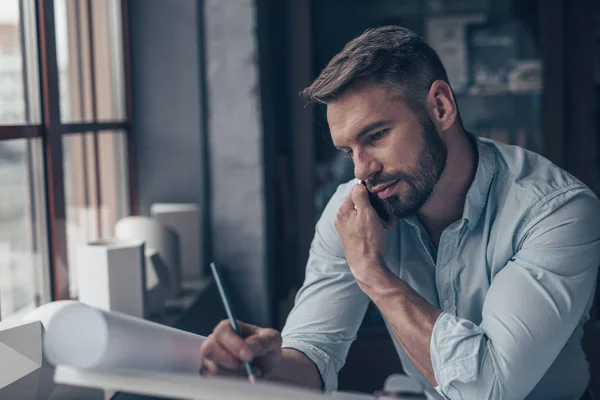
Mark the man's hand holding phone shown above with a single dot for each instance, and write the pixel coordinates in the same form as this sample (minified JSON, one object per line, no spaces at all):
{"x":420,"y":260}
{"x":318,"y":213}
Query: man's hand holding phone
{"x":377,"y":204}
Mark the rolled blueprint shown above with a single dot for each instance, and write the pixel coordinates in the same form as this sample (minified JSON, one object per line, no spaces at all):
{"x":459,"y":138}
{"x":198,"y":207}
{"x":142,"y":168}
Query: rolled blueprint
{"x":85,"y":337}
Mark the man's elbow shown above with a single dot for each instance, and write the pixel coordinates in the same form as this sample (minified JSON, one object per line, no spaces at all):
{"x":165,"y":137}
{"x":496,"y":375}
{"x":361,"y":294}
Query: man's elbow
{"x":488,"y":384}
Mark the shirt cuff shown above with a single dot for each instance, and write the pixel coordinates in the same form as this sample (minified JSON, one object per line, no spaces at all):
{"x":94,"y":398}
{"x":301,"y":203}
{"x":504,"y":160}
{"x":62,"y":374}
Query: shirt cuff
{"x":456,"y":350}
{"x":319,"y":358}
{"x":437,"y":389}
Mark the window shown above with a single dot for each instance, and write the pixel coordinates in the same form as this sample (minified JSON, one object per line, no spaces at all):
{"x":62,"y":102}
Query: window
{"x":24,"y":273}
{"x":90,"y":60}
{"x":94,"y":165}
{"x":19,"y":77}
{"x":64,"y":141}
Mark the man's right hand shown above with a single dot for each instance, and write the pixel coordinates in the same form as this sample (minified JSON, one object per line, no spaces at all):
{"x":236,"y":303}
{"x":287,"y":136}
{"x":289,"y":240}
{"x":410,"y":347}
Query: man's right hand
{"x":224,"y":352}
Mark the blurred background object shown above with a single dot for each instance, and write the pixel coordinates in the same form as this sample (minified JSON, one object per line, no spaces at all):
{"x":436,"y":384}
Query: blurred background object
{"x":157,"y":236}
{"x":184,"y":219}
{"x":111,"y":276}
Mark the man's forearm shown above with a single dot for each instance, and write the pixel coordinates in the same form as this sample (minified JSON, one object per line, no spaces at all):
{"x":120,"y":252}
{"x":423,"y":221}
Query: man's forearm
{"x":410,"y":317}
{"x":297,"y":369}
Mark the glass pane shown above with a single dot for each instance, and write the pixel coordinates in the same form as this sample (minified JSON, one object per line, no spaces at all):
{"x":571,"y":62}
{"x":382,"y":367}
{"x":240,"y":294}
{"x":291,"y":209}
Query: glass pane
{"x":19,"y":79}
{"x":73,"y":57}
{"x":113,"y":179}
{"x":24,"y":267}
{"x":95,"y":190}
{"x":75,"y":48}
{"x":108,"y":60}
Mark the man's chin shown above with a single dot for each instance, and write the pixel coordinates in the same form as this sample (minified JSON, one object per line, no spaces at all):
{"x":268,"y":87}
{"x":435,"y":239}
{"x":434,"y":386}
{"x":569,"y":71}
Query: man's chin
{"x":402,"y":209}
{"x":401,"y":214}
{"x":398,"y":210}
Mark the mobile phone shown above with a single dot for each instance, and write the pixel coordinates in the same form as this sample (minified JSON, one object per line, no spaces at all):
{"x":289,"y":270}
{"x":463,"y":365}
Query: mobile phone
{"x":377,"y":205}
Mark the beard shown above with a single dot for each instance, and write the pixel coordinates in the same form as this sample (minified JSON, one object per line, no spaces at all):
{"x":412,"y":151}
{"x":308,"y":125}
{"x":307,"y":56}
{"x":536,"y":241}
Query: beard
{"x":421,"y":179}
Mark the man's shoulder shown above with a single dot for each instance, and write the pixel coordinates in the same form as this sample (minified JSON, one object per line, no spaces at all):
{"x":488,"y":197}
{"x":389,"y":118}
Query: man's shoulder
{"x":528,"y":187}
{"x":326,"y":236}
{"x":530,"y":176}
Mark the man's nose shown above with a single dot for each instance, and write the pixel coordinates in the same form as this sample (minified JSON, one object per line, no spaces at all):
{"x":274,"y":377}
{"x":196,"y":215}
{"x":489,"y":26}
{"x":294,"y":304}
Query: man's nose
{"x":364,"y":166}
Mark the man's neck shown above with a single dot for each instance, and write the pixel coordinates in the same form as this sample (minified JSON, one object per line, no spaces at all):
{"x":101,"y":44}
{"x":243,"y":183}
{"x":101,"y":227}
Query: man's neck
{"x":448,"y":198}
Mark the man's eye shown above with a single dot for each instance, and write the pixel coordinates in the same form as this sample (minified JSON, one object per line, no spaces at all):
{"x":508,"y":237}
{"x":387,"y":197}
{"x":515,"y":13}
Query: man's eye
{"x":378,"y":135}
{"x":348,"y":153}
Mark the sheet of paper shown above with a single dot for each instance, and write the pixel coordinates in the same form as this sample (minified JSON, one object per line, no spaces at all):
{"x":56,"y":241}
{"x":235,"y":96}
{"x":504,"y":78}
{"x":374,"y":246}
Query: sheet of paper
{"x":187,"y":386}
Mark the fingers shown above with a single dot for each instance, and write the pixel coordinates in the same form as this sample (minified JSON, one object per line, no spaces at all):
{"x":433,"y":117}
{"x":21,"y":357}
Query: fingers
{"x":247,"y":329}
{"x":224,"y":352}
{"x":357,"y":200}
{"x":227,"y":338}
{"x":346,"y":208}
{"x":209,"y":367}
{"x":264,"y":342}
{"x":213,"y":350}
{"x":360,"y":197}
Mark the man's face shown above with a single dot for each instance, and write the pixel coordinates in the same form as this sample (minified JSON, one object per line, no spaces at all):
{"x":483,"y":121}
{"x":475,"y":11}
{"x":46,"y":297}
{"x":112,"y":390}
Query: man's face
{"x":400,"y":156}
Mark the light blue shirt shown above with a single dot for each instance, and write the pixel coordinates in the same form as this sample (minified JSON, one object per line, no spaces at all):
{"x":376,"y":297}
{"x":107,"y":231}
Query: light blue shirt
{"x":514,"y":277}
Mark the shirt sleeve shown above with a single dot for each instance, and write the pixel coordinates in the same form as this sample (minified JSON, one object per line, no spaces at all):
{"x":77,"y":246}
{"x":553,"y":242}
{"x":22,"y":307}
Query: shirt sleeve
{"x":531,"y":309}
{"x":330,"y":306}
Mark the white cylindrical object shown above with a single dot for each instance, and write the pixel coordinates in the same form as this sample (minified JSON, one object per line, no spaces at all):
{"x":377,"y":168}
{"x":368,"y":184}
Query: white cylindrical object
{"x":81,"y":336}
{"x":158,"y":237}
{"x":111,"y":275}
{"x":183,"y":218}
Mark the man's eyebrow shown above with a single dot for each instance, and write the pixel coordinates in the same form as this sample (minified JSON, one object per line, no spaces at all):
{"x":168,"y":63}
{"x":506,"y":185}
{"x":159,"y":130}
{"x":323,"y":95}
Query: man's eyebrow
{"x":370,"y":127}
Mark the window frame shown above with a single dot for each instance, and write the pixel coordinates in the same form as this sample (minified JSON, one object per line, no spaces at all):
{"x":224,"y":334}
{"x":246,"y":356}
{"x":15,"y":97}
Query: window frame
{"x":51,"y":130}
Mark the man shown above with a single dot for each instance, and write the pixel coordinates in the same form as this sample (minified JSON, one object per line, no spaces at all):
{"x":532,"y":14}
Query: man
{"x":486,"y":275}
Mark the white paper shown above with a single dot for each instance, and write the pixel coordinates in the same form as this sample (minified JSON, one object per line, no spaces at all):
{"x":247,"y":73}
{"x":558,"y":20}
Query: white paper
{"x":182,"y":386}
{"x":81,"y":336}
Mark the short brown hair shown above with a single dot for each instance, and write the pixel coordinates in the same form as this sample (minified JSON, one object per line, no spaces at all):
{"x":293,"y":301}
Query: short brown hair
{"x":391,"y":56}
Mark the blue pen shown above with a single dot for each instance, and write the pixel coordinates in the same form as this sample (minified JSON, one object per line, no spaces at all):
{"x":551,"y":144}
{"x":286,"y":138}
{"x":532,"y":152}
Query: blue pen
{"x":229,"y":312}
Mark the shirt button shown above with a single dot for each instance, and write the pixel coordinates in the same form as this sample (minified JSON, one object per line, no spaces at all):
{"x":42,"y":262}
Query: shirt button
{"x":447,"y":303}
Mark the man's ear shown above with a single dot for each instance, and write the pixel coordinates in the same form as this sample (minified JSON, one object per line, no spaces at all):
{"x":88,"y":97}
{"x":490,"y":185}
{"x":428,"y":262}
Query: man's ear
{"x":442,"y":105}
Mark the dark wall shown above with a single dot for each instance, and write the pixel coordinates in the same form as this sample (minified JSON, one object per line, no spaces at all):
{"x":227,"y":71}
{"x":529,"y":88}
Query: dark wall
{"x":236,"y":143}
{"x":199,"y":132}
{"x":166,"y":101}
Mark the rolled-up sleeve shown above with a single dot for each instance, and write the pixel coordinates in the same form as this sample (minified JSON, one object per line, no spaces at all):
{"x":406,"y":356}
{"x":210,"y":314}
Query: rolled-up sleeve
{"x":531,"y":309}
{"x":330,"y":306}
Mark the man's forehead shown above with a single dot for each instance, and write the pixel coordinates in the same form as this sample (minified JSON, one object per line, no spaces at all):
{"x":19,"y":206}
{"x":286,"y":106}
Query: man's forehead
{"x":344,"y":122}
{"x":355,"y":110}
{"x":361,"y":98}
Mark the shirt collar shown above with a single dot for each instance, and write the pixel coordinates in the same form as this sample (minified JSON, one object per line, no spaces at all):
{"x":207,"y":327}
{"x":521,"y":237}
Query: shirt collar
{"x":480,"y":187}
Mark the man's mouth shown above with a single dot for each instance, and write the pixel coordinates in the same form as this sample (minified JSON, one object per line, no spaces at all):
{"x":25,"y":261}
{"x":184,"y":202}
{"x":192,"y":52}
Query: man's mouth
{"x":386,"y":189}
